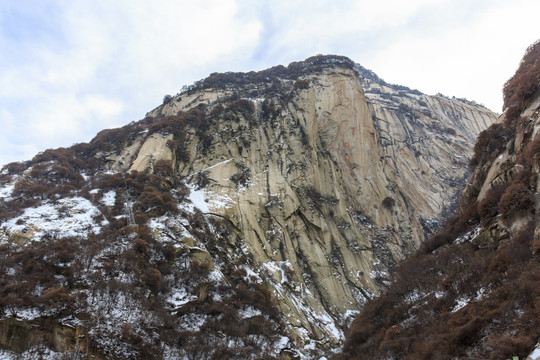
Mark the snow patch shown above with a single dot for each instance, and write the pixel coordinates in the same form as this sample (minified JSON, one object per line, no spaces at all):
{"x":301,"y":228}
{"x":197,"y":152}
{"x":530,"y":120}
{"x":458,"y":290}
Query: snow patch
{"x":480,"y":294}
{"x":535,"y":354}
{"x":199,"y":199}
{"x":193,"y":322}
{"x":471,"y":235}
{"x":68,"y":217}
{"x":8,"y":355}
{"x":252,"y":275}
{"x":413,"y":296}
{"x":461,"y":303}
{"x":276,"y":269}
{"x":23,"y":314}
{"x":5,"y":192}
{"x":179,"y":297}
{"x":109,"y":198}
{"x":216,"y":275}
{"x":38,"y":352}
{"x":249,"y":312}
{"x":439,"y":294}
{"x":205,"y":200}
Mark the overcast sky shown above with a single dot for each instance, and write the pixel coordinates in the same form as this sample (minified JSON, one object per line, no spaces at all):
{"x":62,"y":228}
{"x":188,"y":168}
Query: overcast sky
{"x":69,"y":69}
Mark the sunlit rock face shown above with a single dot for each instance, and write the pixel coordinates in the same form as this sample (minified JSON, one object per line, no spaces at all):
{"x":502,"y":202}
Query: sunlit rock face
{"x":328,"y":178}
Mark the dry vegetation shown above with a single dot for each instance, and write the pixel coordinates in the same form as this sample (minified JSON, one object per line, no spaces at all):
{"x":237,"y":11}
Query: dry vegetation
{"x":520,"y":88}
{"x":292,"y":72}
{"x":89,"y":277}
{"x":66,"y":276}
{"x":419,"y":316}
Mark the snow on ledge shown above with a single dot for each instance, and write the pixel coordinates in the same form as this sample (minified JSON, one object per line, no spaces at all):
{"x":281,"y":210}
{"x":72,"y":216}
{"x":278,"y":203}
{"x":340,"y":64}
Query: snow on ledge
{"x":206,"y":200}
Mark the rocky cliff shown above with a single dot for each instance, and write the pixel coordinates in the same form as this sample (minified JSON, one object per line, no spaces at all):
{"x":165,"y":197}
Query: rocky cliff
{"x":308,"y":183}
{"x":342,"y":177}
{"x":472,"y":290}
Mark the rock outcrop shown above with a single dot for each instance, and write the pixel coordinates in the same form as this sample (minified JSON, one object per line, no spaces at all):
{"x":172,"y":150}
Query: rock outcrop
{"x":20,"y":335}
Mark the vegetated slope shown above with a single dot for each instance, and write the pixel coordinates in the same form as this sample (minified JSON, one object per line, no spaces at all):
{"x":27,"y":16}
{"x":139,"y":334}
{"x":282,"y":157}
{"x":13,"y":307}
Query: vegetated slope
{"x":473,"y":289}
{"x":243,"y":218}
{"x":138,"y":290}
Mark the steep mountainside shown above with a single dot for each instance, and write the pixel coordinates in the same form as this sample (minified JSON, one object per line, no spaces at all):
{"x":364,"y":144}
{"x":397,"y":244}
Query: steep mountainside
{"x":261,"y":210}
{"x":473,"y":289}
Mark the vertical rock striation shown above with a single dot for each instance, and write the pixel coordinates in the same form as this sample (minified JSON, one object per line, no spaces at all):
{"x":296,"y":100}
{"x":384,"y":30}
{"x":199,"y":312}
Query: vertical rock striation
{"x":343,"y":175}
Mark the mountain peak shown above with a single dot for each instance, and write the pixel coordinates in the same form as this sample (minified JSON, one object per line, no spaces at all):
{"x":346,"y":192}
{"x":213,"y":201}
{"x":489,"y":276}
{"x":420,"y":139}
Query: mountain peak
{"x":290,"y":72}
{"x":252,"y":210}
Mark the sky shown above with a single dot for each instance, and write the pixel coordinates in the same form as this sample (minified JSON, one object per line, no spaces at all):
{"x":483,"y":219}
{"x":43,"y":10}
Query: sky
{"x":69,"y":69}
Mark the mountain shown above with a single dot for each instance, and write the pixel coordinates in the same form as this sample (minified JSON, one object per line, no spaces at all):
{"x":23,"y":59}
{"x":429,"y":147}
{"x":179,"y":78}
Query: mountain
{"x":472,"y":291}
{"x":251,"y":213}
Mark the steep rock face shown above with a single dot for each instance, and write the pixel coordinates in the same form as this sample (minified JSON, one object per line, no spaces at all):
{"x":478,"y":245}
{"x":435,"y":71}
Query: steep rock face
{"x":472,"y":289}
{"x":514,"y":165}
{"x":335,"y":183}
{"x":426,"y":139}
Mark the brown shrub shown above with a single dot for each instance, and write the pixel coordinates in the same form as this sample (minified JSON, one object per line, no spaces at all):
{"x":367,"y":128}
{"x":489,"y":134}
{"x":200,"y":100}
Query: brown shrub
{"x":56,"y":297}
{"x":469,"y":333}
{"x":140,"y":217}
{"x":15,"y":167}
{"x":525,"y":82}
{"x":155,"y":203}
{"x":199,"y":270}
{"x":66,"y":249}
{"x":490,"y":143}
{"x":489,"y":206}
{"x":111,"y":139}
{"x":505,"y":347}
{"x":301,"y":84}
{"x":244,"y":107}
{"x":394,"y":341}
{"x":216,"y":110}
{"x":163,"y":168}
{"x":388,"y":202}
{"x":152,"y":279}
{"x":456,"y":226}
{"x":421,"y":350}
{"x":531,"y":154}
{"x":27,"y":188}
{"x":516,"y":199}
{"x":141,"y":247}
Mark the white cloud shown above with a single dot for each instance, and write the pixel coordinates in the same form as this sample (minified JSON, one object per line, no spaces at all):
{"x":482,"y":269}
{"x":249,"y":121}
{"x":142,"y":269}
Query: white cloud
{"x":470,"y":60}
{"x":70,"y":69}
{"x":116,"y":60}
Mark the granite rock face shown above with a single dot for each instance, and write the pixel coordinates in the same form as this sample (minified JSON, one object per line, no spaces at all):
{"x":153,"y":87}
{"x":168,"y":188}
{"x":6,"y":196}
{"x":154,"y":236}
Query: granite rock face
{"x":329,"y":178}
